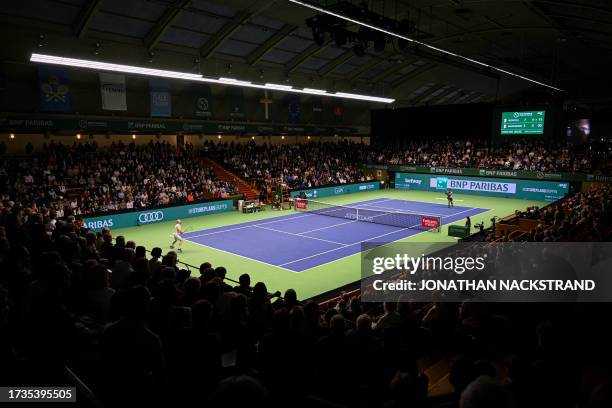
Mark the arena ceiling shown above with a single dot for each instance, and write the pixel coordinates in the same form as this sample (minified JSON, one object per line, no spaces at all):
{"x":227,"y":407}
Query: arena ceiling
{"x":565,"y":43}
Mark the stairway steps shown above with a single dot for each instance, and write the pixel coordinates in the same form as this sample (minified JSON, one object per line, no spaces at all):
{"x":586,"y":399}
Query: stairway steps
{"x":225,"y":175}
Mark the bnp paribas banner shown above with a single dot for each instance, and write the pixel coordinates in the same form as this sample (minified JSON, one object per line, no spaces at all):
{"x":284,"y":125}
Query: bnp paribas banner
{"x":496,"y":187}
{"x":514,"y":174}
{"x":153,"y":216}
{"x":314,"y":193}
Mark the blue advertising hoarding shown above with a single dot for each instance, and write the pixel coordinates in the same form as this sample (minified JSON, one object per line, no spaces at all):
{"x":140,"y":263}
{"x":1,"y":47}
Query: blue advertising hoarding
{"x":314,"y":193}
{"x":155,"y":215}
{"x":496,"y":187}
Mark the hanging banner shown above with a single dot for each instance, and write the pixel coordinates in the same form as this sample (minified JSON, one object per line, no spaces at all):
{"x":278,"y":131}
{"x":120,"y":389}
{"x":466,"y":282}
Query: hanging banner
{"x":113,"y":92}
{"x":54,"y":86}
{"x":203,"y":103}
{"x":317,"y":109}
{"x":160,"y":97}
{"x":338,"y":112}
{"x":236,"y":100}
{"x":265,"y":105}
{"x":293,"y":108}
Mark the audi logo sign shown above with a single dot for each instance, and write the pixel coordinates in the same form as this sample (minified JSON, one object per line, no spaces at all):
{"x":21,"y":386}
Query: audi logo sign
{"x":146,"y":218}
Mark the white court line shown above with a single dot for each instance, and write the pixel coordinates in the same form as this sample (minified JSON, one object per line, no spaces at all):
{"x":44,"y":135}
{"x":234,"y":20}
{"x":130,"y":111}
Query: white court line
{"x":439,"y":215}
{"x":371,"y":238}
{"x":397,"y":210}
{"x":390,"y":242}
{"x":247,"y":226}
{"x":329,"y":226}
{"x":301,"y":236}
{"x":242,"y":256}
{"x":281,"y":266}
{"x":285,"y":218}
{"x":347,"y":245}
{"x":378,"y":200}
{"x":469,"y":209}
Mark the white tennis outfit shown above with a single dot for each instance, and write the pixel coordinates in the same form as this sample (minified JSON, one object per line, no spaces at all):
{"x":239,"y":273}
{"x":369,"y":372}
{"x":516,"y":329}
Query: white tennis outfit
{"x":177,"y":232}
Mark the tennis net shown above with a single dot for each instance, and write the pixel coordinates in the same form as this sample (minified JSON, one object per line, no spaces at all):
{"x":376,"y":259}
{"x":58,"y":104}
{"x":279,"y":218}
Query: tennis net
{"x":399,"y":219}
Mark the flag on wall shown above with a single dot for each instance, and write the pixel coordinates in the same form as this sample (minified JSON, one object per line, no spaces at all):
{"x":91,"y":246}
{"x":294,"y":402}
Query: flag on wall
{"x":265,"y":105}
{"x":236,"y":100}
{"x":317,"y":109}
{"x":54,"y":87}
{"x":160,"y":96}
{"x":203,"y":102}
{"x":113,"y":92}
{"x":293,"y":108}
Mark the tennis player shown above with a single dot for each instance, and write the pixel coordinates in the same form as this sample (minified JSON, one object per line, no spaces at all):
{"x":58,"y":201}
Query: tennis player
{"x":178,"y":236}
{"x":449,"y":197}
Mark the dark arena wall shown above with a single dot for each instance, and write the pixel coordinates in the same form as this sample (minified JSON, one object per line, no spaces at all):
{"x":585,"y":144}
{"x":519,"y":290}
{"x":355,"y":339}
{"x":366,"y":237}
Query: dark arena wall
{"x":471,"y":121}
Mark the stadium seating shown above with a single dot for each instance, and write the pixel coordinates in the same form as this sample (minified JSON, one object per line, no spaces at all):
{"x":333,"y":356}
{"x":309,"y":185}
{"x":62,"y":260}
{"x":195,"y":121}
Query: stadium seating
{"x":189,"y":174}
{"x":162,"y":334}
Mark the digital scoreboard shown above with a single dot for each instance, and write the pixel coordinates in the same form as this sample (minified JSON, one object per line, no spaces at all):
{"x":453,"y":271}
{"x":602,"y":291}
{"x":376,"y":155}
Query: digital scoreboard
{"x":522,"y":123}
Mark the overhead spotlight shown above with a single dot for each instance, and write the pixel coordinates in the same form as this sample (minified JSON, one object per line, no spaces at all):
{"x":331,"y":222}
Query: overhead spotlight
{"x":340,"y":37}
{"x":151,"y":56}
{"x":219,"y":137}
{"x":364,"y":35}
{"x":97,"y":48}
{"x":41,"y":39}
{"x":318,"y":37}
{"x":78,"y":136}
{"x":405,"y":26}
{"x":318,"y":30}
{"x":308,"y":137}
{"x":283,"y":137}
{"x":133,"y":136}
{"x":379,"y":42}
{"x":359,"y":49}
{"x":12,"y":136}
{"x":252,"y":137}
{"x":366,"y":20}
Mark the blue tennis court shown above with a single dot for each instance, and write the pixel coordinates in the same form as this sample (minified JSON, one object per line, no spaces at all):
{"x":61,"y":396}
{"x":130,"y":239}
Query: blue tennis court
{"x":301,"y":241}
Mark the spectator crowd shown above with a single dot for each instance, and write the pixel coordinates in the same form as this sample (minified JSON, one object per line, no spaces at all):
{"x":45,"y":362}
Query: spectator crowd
{"x":141,"y":328}
{"x":583,"y":216}
{"x":300,"y":166}
{"x":84,"y":179}
{"x":525,"y":156}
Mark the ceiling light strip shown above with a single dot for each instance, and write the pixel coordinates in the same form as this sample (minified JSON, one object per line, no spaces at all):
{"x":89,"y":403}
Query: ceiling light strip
{"x":129,"y":69}
{"x":431,"y":47}
{"x":104,"y":66}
